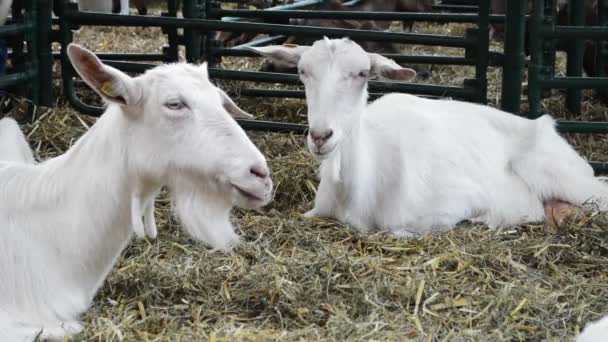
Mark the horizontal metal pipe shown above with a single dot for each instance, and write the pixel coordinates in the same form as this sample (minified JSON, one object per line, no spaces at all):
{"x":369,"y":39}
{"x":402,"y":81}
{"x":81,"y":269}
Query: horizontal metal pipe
{"x":261,"y":42}
{"x":374,"y":86}
{"x":456,"y":8}
{"x":299,"y":4}
{"x":582,"y":127}
{"x":235,"y":52}
{"x":10,"y":80}
{"x":356,"y":15}
{"x":84,"y":18}
{"x":581,"y":32}
{"x":272,"y":126}
{"x":298,"y":94}
{"x":11,"y":30}
{"x":125,"y":56}
{"x":574,"y":83}
{"x":599,"y":167}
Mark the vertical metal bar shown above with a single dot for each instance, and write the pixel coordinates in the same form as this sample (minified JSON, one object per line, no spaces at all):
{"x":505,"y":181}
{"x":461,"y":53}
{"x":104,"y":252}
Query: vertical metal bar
{"x":575,"y":55}
{"x":33,"y":45}
{"x":514,"y":61}
{"x":192,"y":37}
{"x":483,"y":45}
{"x":65,"y":38}
{"x":45,"y":52}
{"x":601,"y":46}
{"x":536,"y":59}
{"x":171,"y":51}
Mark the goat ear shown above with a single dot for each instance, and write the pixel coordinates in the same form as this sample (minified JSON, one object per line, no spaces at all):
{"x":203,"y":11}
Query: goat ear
{"x":387,"y":69}
{"x":232,"y":108}
{"x":112,"y":84}
{"x":286,"y":56}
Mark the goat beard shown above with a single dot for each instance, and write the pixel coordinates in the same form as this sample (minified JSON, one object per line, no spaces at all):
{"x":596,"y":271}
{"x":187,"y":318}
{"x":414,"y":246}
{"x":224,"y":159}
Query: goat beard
{"x":204,"y":213}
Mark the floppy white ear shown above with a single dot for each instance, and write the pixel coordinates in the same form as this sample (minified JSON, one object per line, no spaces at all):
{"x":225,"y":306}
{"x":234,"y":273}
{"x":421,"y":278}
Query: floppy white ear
{"x":232,"y":108}
{"x":387,"y":69}
{"x":112,"y":84}
{"x":285,"y":56}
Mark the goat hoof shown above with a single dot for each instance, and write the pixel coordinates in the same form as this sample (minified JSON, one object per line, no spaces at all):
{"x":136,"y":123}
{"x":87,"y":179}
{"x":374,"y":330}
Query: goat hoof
{"x":557,"y":212}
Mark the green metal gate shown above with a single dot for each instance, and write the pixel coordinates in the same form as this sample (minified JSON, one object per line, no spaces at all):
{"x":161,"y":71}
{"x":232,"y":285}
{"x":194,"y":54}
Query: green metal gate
{"x":203,"y":17}
{"x":26,"y":35}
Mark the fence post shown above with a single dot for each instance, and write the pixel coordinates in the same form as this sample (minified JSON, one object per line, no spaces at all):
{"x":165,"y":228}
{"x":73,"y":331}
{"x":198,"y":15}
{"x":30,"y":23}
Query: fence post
{"x":575,"y":54}
{"x":192,"y":37}
{"x":536,"y":59}
{"x":45,"y":52}
{"x":514,"y":61}
{"x":482,"y":52}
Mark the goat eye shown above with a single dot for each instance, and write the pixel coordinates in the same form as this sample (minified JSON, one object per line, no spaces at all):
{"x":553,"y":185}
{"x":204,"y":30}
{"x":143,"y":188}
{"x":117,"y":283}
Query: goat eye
{"x":302,"y":72}
{"x":175,"y":105}
{"x":364,"y":74}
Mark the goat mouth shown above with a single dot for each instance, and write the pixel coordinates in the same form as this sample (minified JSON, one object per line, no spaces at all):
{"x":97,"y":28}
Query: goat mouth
{"x":248,"y":195}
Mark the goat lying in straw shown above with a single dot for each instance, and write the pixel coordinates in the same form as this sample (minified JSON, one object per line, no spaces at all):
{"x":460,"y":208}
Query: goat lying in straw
{"x":412,"y":165}
{"x":64,"y":222}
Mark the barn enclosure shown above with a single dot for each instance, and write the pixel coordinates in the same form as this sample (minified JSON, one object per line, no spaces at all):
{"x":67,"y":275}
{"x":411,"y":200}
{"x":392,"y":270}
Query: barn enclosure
{"x":300,"y":279}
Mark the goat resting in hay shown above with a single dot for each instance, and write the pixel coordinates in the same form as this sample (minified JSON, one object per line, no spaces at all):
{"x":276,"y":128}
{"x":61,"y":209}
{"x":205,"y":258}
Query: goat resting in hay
{"x":412,"y":165}
{"x":65,"y":221}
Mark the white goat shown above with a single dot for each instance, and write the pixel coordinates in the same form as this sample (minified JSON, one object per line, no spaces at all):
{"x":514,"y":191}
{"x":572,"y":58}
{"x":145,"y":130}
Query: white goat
{"x":102,"y":6}
{"x":595,"y":331}
{"x":411,"y":165}
{"x":13,"y":147}
{"x":5,"y":7}
{"x":65,"y":221}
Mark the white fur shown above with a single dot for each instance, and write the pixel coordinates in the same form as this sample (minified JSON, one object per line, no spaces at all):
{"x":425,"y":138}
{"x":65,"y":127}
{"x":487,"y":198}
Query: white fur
{"x":102,"y":6}
{"x":411,"y":165}
{"x":65,"y":221}
{"x":5,"y":7}
{"x":595,"y":331}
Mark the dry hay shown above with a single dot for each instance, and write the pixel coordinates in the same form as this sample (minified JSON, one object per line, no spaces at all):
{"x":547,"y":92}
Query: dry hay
{"x":299,"y":279}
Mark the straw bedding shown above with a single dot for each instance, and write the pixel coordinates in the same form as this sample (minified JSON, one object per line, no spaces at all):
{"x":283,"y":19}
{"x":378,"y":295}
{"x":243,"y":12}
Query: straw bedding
{"x":297,"y":279}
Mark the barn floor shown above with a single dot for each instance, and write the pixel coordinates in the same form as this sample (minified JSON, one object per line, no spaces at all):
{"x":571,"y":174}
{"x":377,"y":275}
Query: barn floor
{"x":299,"y":279}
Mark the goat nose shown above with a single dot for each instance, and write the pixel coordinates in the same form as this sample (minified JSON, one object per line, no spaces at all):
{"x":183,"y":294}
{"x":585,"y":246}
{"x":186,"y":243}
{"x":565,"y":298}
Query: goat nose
{"x":259,"y":171}
{"x":320,"y":137}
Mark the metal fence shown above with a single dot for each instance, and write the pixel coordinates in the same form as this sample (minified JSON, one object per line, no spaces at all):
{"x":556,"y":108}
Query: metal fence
{"x":26,"y":36}
{"x":201,"y":18}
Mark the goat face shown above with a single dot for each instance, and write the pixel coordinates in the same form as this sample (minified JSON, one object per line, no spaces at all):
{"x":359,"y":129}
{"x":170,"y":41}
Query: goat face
{"x":207,"y":144}
{"x":182,"y":126}
{"x":335,"y":74}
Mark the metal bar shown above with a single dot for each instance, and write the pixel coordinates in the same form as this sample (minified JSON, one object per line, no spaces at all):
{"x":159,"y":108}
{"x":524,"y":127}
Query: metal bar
{"x":574,"y":66}
{"x":410,"y":88}
{"x":456,"y":8}
{"x":356,"y":15}
{"x":272,"y":126}
{"x":84,"y":18}
{"x":536,"y":59}
{"x":14,"y":79}
{"x":586,"y":32}
{"x":288,"y":7}
{"x":514,"y":61}
{"x":261,"y":41}
{"x":45,"y":53}
{"x":575,"y":83}
{"x":192,"y":38}
{"x":15,"y":29}
{"x":234,"y":52}
{"x":599,"y":168}
{"x":582,"y":127}
{"x":482,"y":52}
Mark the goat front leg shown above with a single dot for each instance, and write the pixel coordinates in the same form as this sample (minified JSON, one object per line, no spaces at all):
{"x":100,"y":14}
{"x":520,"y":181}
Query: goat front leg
{"x":150,"y":227}
{"x":325,"y":202}
{"x":137,"y":216}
